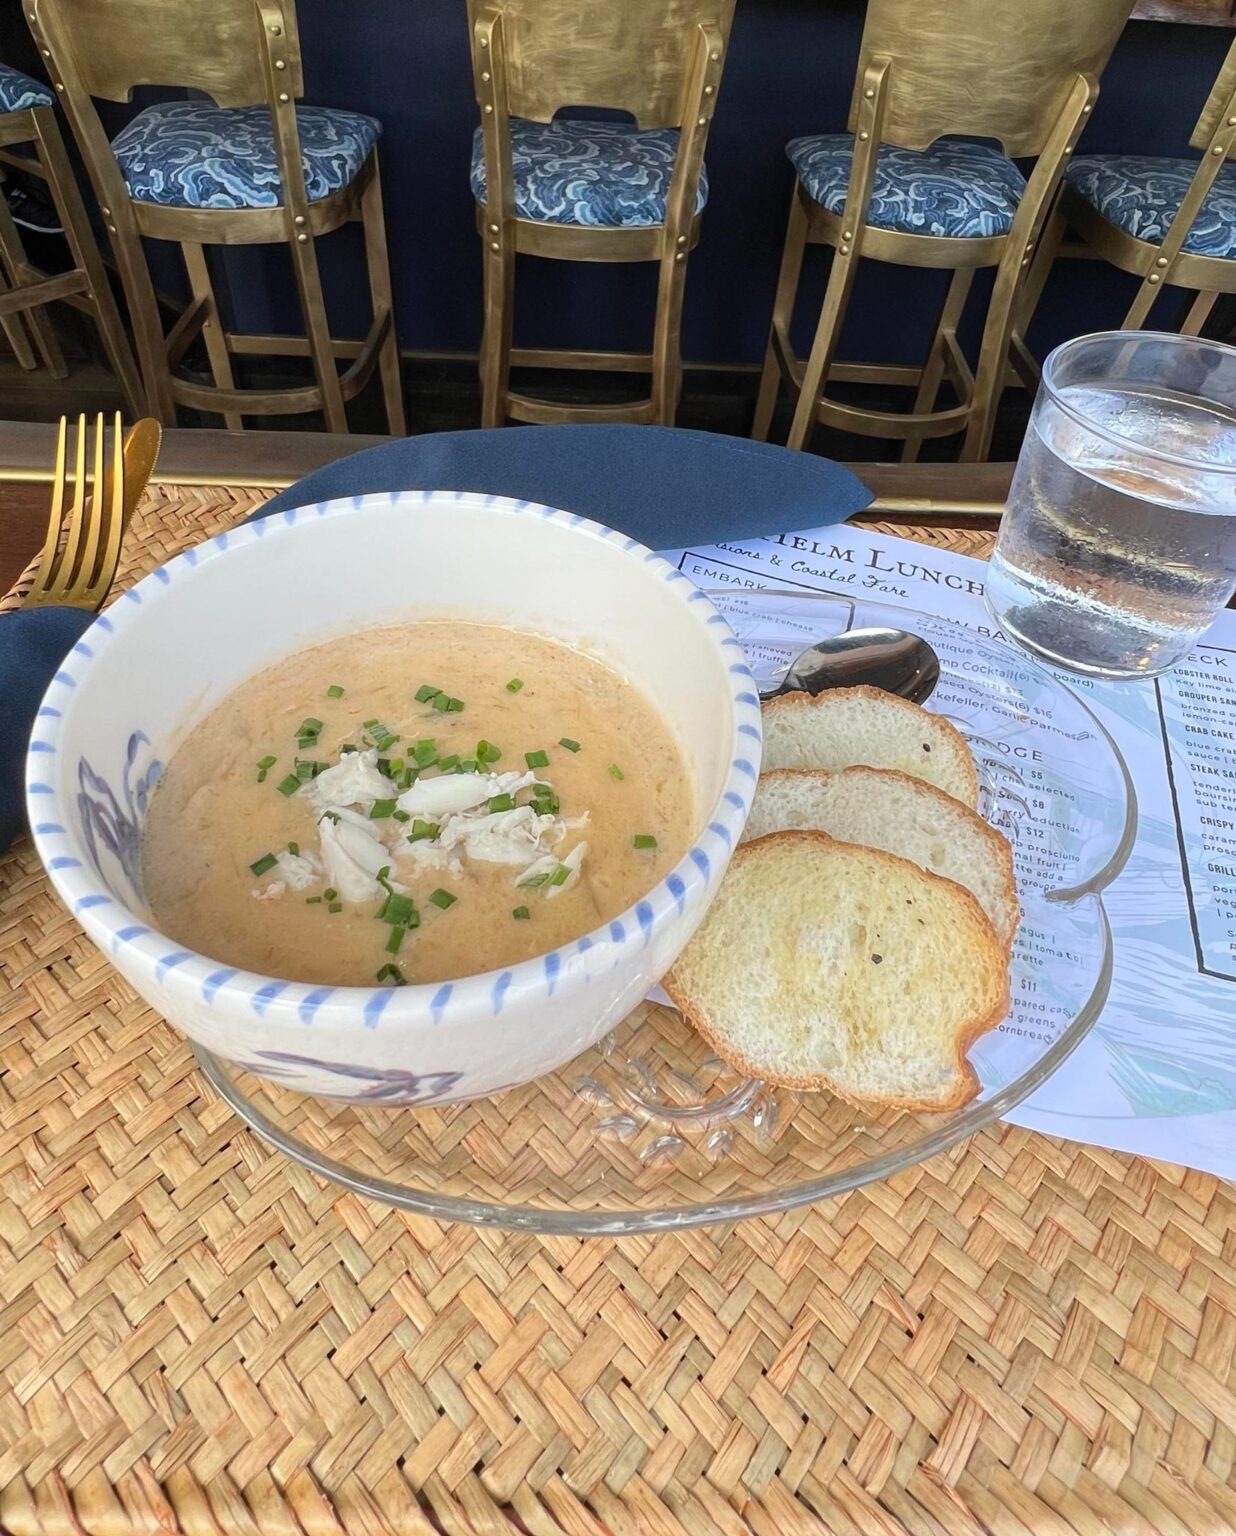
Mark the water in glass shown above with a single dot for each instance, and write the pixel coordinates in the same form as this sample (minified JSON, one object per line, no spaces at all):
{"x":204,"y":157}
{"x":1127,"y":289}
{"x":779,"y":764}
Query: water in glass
{"x":1118,"y":546}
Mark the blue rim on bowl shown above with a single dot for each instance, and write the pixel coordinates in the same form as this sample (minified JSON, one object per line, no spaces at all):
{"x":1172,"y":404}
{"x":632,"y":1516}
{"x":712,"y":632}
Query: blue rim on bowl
{"x":187,"y":971}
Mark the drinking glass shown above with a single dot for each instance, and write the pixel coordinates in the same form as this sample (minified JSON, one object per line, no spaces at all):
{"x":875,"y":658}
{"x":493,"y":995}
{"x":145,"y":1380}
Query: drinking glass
{"x":1118,"y":545}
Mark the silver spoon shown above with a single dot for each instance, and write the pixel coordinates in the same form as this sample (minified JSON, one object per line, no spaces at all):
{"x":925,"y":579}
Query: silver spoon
{"x":889,"y":659}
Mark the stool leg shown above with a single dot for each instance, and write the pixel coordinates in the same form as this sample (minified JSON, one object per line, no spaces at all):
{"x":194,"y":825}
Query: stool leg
{"x":13,"y":255}
{"x":15,"y":331}
{"x":993,"y":362}
{"x":213,"y":334}
{"x":1199,"y":313}
{"x":313,"y":306}
{"x":383,"y":299}
{"x":1141,"y":306}
{"x":783,"y":312}
{"x":667,"y":336}
{"x":496,"y":340}
{"x":85,"y":253}
{"x":143,"y":315}
{"x":933,"y":372}
{"x":827,"y":332}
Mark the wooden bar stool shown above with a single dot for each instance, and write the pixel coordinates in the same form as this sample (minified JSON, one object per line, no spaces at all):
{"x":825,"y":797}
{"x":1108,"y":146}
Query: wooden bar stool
{"x":246,"y":167}
{"x":1170,"y":221}
{"x":901,"y":187}
{"x":28,"y":117}
{"x":577,"y":189}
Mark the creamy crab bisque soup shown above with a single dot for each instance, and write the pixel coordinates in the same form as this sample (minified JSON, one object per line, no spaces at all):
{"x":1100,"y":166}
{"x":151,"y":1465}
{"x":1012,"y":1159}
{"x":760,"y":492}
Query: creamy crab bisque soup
{"x":412,"y":805}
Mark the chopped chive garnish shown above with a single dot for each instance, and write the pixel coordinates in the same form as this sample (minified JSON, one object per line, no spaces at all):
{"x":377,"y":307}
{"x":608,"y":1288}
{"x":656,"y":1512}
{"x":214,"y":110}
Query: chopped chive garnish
{"x":443,"y":899}
{"x":515,"y":684}
{"x":401,"y":815}
{"x":260,"y":866}
{"x":308,"y":731}
{"x":616,"y":773}
{"x":455,"y":706}
{"x":313,"y":901}
{"x":332,"y":816}
{"x":423,"y":831}
{"x":407,"y":778}
{"x":502,"y":803}
{"x":643,"y":840}
{"x":560,"y":876}
{"x":265,"y":764}
{"x":535,"y":880}
{"x":391,"y":973}
{"x":330,"y":893}
{"x":426,"y":692}
{"x":425,"y":752}
{"x":380,"y":809}
{"x":335,"y":906}
{"x":334,"y":691}
{"x":448,"y":764}
{"x":383,"y":876}
{"x":394,"y":939}
{"x":468,"y":765}
{"x":571,"y":746}
{"x":487,"y":753}
{"x":521,"y":914}
{"x":383,"y":738}
{"x":294,"y":849}
{"x":369,"y":724}
{"x":537,"y":759}
{"x":399,"y":911}
{"x":442,"y":702}
{"x":544,"y":801}
{"x":383,"y":766}
{"x":347,"y":747}
{"x":290,"y":785}
{"x":304,"y":770}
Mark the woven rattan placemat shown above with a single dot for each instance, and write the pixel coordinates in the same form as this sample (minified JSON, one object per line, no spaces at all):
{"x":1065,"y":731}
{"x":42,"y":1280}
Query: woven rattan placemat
{"x":1024,"y":1336}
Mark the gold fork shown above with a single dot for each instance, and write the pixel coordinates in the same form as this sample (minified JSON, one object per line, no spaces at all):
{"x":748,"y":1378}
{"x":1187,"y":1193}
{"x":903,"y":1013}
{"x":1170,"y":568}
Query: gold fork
{"x":78,"y":570}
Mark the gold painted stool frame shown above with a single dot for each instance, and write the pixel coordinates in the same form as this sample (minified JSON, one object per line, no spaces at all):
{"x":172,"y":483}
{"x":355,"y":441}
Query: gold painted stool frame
{"x":239,"y":53}
{"x":1158,"y":265}
{"x":26,"y":290}
{"x":1026,"y":75}
{"x":661,"y":61}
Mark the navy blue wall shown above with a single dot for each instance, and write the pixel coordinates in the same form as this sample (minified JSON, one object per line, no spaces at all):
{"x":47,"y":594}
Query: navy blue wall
{"x":789,"y":71}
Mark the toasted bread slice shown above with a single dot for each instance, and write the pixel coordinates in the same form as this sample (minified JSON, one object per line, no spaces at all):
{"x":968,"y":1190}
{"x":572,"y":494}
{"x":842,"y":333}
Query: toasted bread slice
{"x":824,"y":965}
{"x":880,"y":808}
{"x":847,"y":726}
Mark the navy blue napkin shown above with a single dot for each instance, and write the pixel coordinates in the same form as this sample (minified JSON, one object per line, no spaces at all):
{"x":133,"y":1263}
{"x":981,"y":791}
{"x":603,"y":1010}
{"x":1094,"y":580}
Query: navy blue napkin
{"x":665,"y":486}
{"x":33,"y":643}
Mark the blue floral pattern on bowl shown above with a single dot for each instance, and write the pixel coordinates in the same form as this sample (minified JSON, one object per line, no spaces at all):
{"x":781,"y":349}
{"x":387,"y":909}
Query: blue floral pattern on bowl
{"x":111,"y":827}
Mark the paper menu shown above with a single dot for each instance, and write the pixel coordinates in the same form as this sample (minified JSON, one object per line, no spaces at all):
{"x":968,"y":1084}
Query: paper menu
{"x":1157,"y":1073}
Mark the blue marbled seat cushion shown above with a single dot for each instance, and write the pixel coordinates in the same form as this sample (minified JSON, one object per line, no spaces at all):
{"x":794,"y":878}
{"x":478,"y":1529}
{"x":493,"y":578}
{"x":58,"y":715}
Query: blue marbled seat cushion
{"x":192,"y":154}
{"x":575,"y":171}
{"x":18,"y":91}
{"x":1141,"y":194}
{"x":956,"y":189}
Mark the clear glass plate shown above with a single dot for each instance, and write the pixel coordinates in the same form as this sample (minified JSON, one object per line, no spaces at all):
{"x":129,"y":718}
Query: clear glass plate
{"x":649,"y":1130}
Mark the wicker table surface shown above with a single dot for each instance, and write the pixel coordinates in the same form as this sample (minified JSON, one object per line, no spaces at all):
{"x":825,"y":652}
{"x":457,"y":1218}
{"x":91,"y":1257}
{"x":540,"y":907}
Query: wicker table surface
{"x":1023,"y":1336}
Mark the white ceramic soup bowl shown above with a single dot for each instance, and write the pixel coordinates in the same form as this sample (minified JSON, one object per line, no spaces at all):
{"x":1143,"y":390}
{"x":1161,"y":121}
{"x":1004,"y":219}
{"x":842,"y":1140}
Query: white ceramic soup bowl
{"x":172,"y":647}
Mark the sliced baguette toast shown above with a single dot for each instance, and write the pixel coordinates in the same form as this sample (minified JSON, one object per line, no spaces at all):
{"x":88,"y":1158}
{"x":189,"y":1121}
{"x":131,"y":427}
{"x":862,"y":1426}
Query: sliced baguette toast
{"x":824,"y":965}
{"x":881,"y":808}
{"x":844,"y":727}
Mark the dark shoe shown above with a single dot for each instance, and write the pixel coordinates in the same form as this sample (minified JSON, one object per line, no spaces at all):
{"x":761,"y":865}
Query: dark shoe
{"x":31,"y":207}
